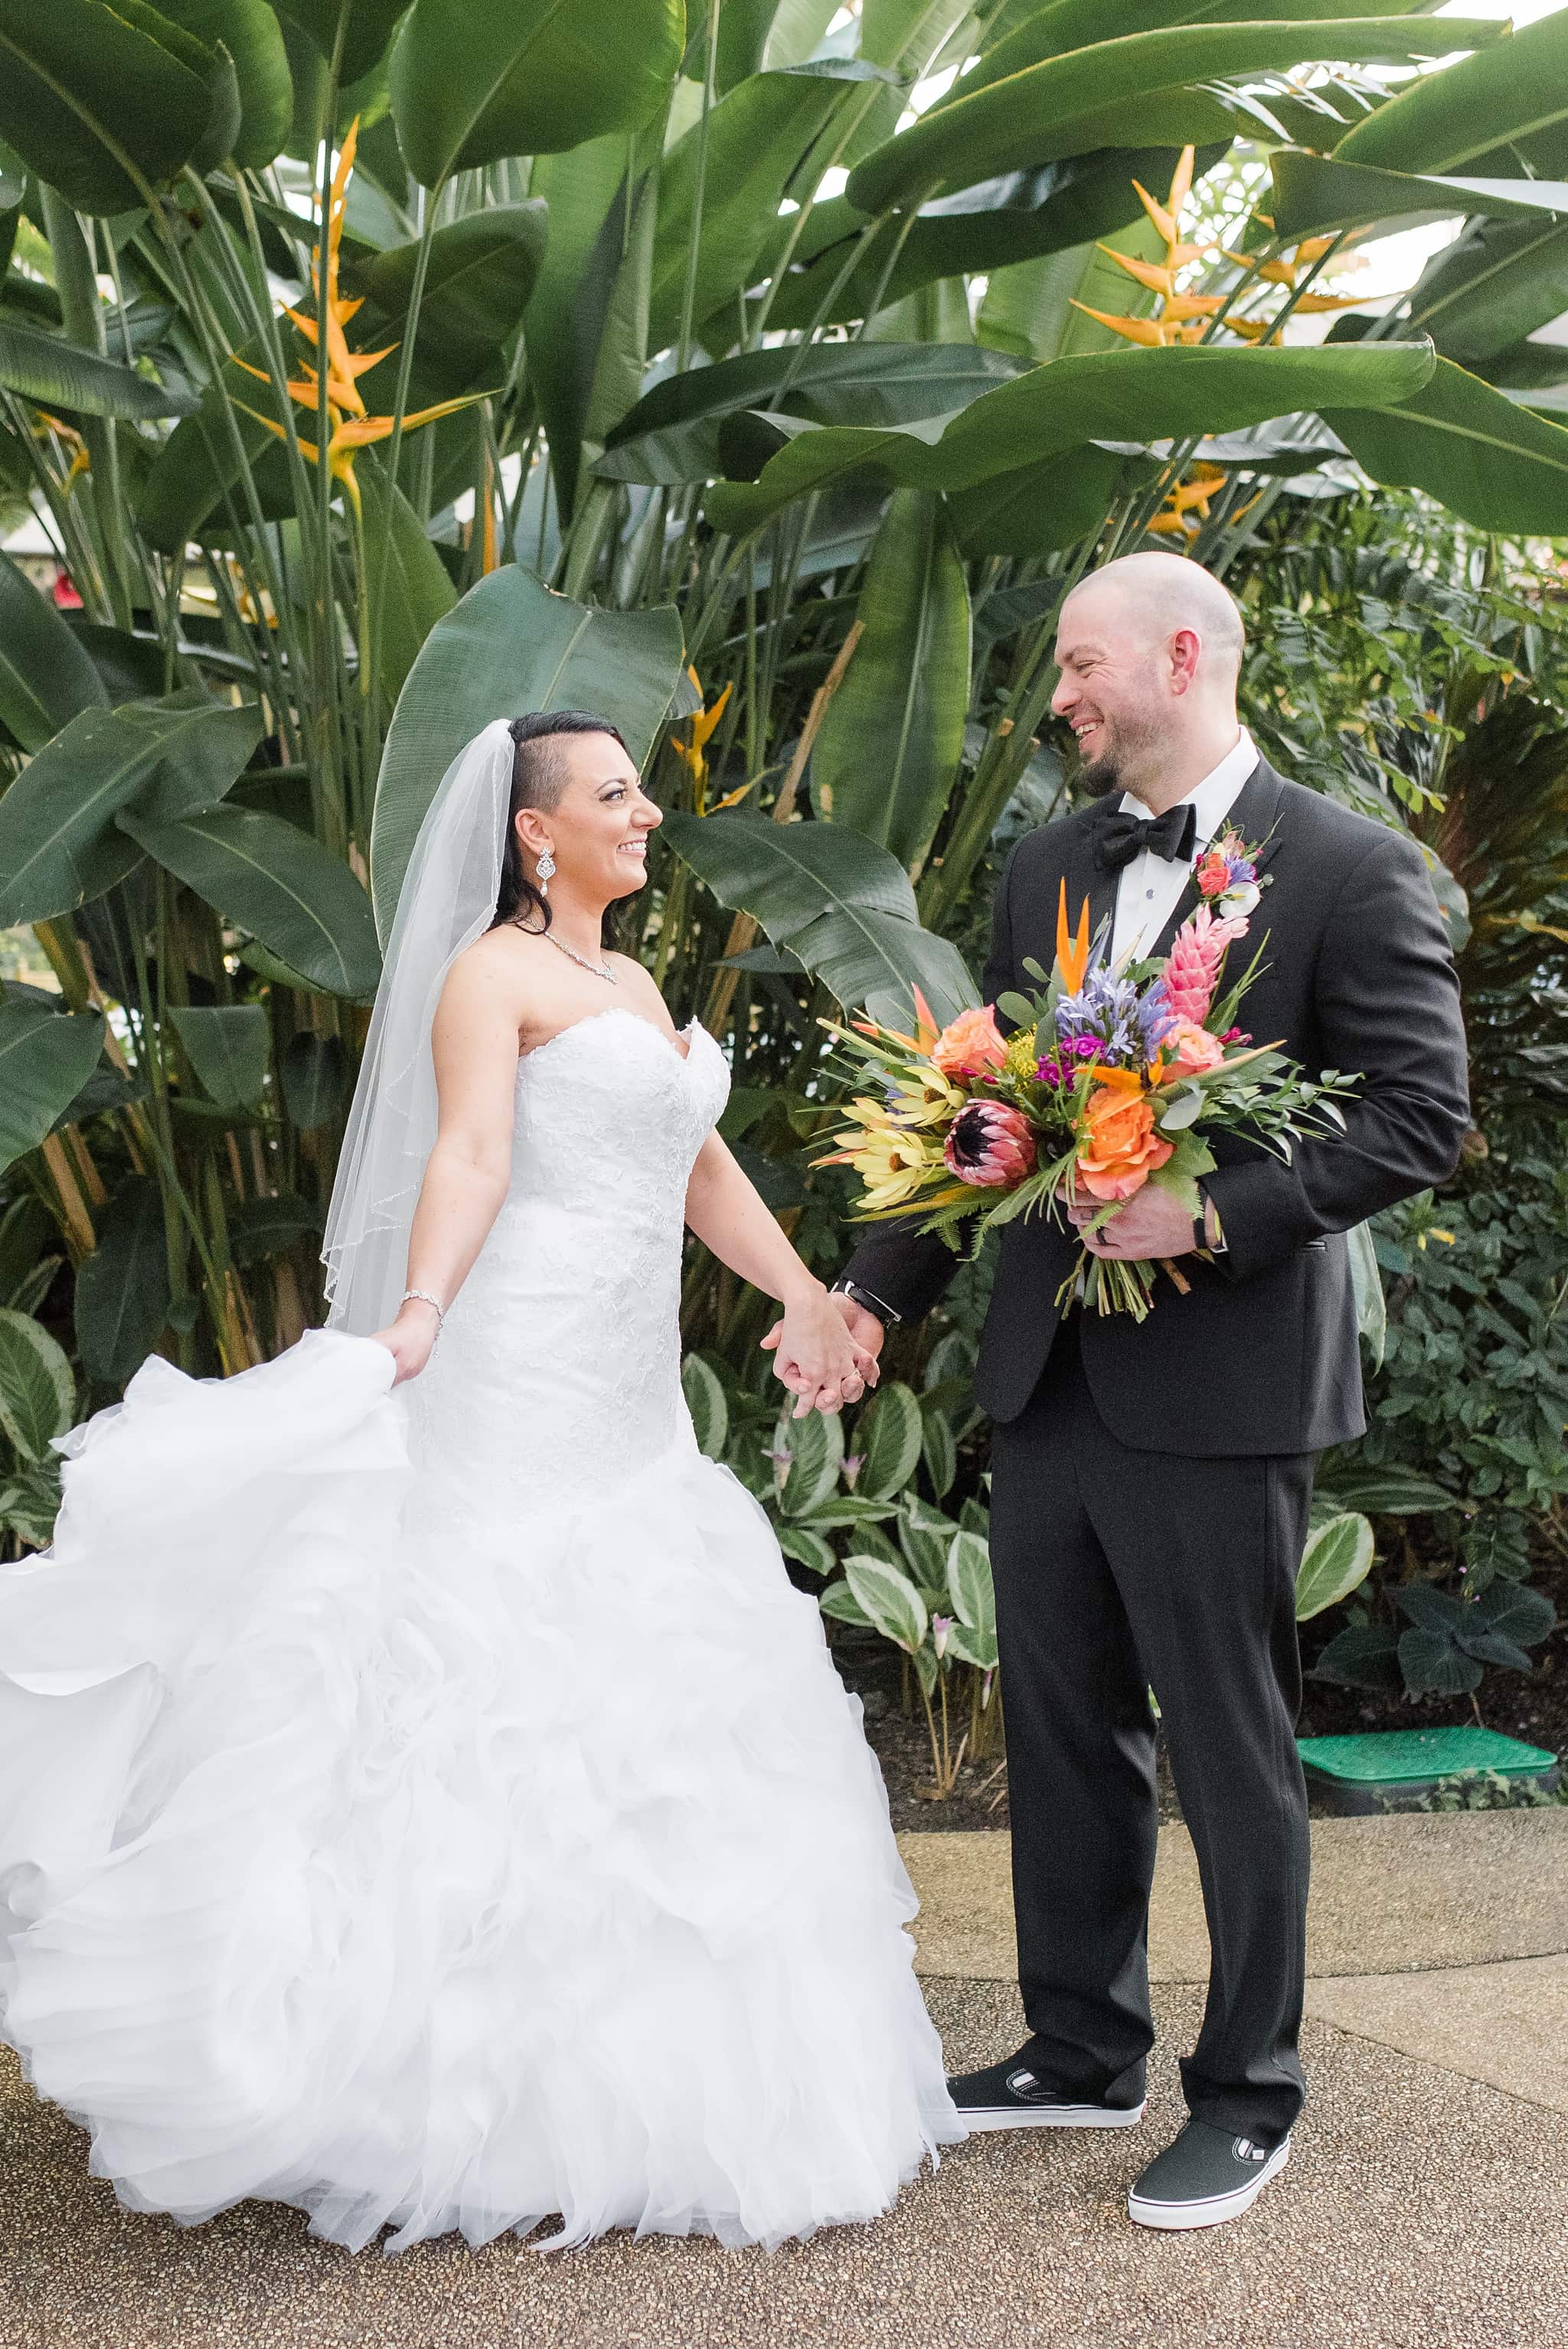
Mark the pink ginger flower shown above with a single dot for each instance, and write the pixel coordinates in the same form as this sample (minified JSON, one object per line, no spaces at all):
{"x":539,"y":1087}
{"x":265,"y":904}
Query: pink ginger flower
{"x":1193,"y":966}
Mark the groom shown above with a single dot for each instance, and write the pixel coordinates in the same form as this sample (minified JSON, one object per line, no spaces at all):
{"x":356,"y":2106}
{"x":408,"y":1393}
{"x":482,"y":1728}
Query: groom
{"x":1151,"y":1483}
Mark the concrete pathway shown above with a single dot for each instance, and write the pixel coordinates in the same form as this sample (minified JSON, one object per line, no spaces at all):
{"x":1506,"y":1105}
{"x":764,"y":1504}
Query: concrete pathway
{"x":1474,"y":1903}
{"x":1426,"y":2206}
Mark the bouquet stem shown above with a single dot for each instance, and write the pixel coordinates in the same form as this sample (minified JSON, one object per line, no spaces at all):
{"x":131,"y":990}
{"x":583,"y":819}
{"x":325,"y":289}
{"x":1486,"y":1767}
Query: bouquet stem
{"x":1109,"y":1286}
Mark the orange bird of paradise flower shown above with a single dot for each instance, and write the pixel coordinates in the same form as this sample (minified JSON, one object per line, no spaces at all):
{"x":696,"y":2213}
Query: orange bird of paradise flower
{"x":1072,"y":953}
{"x":351,"y":429}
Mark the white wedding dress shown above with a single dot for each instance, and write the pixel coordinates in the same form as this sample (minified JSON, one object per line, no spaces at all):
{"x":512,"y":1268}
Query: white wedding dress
{"x":437,"y":1810}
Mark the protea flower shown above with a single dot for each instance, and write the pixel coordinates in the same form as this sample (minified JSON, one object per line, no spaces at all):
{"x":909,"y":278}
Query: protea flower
{"x":991,"y":1145}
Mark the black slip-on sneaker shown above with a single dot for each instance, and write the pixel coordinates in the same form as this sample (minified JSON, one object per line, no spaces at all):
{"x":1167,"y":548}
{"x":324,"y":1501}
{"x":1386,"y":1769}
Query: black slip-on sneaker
{"x":1010,"y":2096}
{"x":1206,"y":2176}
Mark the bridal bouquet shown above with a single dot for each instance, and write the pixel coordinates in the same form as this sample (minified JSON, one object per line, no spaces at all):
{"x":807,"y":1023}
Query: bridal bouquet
{"x":1114,"y":1076}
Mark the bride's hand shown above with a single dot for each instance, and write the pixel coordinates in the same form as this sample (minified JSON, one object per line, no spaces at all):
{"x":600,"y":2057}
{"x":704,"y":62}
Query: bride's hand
{"x":410,"y":1338}
{"x":817,"y":1356}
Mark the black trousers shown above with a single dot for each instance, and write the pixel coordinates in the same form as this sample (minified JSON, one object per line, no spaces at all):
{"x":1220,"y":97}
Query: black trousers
{"x":1117,"y":1570}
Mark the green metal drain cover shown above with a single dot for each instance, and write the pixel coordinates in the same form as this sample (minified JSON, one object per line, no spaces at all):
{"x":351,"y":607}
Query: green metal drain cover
{"x":1390,"y":1754}
{"x":1386,"y":1769}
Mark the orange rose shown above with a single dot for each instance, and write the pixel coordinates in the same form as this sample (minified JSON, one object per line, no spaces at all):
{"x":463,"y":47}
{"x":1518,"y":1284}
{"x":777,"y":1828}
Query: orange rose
{"x":1119,"y":1148}
{"x":1193,"y":1049}
{"x":970,"y":1042}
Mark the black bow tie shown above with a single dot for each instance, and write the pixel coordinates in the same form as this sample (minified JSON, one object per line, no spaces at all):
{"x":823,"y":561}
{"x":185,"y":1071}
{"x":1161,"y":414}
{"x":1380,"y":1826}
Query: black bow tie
{"x":1120,"y":836}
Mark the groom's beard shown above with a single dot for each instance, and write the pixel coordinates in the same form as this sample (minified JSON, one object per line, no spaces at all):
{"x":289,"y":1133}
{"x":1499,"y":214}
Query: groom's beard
{"x":1132,"y":745}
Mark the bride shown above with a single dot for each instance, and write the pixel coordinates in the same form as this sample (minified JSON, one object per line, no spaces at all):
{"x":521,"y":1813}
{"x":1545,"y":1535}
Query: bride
{"x":435,"y":1807}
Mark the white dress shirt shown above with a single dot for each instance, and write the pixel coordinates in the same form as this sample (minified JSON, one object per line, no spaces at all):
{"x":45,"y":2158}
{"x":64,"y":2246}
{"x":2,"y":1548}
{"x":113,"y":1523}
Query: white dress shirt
{"x":1147,"y":889}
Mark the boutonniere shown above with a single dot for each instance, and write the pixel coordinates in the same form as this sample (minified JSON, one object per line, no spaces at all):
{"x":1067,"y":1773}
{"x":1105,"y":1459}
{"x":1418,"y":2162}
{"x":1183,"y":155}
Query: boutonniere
{"x":1229,"y":876}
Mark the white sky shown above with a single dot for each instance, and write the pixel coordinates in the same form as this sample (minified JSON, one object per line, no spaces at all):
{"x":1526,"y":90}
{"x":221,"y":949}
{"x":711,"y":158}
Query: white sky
{"x":1396,"y":262}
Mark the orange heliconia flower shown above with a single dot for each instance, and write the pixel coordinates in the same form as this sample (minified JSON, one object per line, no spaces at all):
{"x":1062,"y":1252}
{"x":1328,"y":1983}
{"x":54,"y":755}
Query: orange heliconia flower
{"x":1179,"y":317}
{"x":351,"y":428}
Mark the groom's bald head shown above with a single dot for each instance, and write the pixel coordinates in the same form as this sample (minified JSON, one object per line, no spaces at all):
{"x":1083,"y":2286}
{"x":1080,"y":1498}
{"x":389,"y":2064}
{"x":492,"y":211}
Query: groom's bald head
{"x":1153,"y":597}
{"x":1148,"y":647}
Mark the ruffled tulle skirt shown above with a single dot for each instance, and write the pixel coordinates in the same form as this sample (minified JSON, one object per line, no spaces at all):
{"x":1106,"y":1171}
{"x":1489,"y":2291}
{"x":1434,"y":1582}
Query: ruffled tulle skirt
{"x":438,"y":1879}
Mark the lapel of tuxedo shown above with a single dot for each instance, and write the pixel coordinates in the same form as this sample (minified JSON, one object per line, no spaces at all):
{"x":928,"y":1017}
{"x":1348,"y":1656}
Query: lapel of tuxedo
{"x":1253,"y":816}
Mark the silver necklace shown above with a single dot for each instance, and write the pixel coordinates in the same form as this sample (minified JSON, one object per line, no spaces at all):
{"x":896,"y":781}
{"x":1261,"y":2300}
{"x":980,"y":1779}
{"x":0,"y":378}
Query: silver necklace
{"x":599,"y":969}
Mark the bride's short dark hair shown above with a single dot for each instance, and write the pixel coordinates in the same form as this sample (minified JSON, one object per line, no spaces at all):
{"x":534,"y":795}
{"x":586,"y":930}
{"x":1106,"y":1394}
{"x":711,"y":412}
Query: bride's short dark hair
{"x":539,"y":776}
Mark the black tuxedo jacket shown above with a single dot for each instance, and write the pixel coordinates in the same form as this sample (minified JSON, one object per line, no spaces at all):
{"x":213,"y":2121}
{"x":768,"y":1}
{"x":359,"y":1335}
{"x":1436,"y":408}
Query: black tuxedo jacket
{"x":1262,"y":1356}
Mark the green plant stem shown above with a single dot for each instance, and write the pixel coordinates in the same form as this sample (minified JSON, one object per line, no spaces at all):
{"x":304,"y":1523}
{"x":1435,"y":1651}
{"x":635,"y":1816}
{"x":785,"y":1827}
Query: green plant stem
{"x":694,"y":248}
{"x":75,"y":284}
{"x":214,"y":355}
{"x":405,"y":376}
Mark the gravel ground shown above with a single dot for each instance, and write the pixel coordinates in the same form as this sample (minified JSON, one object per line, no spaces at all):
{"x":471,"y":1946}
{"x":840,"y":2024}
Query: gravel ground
{"x":1420,"y":2211}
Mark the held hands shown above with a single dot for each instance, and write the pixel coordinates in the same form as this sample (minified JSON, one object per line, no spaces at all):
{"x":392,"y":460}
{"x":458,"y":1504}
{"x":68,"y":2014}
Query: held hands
{"x":1151,"y":1226}
{"x":409,"y":1338}
{"x":827,"y":1350}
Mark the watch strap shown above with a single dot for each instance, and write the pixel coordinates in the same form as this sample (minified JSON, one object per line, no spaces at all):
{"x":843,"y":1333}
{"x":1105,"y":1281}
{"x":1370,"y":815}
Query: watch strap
{"x":844,"y":1287}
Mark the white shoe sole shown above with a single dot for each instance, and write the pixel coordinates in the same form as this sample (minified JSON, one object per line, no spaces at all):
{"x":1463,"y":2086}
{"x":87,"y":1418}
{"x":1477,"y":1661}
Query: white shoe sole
{"x":1215,"y":2209}
{"x":1078,"y":2116}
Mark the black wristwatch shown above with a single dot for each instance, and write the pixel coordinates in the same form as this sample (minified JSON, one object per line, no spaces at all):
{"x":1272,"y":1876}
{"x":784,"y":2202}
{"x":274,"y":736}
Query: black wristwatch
{"x":1215,"y":1246}
{"x":843,"y":1286}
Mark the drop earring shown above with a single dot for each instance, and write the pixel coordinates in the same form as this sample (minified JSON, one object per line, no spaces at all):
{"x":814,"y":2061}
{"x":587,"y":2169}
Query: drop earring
{"x":544,"y":869}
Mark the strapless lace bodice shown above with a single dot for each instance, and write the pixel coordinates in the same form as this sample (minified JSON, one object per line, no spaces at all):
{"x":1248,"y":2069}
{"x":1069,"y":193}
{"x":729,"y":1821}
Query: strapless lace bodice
{"x":609,"y":1116}
{"x":565,"y":1337}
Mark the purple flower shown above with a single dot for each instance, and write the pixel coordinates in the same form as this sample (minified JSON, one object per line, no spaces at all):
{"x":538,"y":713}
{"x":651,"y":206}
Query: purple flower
{"x":1154,"y":1020}
{"x":1049,"y":1072}
{"x":1109,"y":1019}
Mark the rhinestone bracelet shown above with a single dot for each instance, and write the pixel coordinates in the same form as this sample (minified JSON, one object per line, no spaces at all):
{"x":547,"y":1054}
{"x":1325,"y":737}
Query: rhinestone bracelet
{"x":424,"y":1298}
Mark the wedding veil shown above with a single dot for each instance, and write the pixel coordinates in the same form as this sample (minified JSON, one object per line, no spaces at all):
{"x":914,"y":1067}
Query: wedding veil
{"x":448,"y":900}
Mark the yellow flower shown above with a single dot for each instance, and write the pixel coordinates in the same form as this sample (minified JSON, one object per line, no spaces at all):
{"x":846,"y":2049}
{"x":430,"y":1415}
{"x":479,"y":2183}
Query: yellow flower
{"x":1254,"y":330}
{"x":926,"y":1098}
{"x":694,"y":752}
{"x":1190,"y":495}
{"x":893,"y":1164}
{"x":351,"y":428}
{"x":1022,"y":1054}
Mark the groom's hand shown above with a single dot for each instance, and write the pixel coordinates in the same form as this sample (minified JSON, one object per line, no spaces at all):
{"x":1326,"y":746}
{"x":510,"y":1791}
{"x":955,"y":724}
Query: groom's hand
{"x":864,"y":1329}
{"x":1151,"y":1224}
